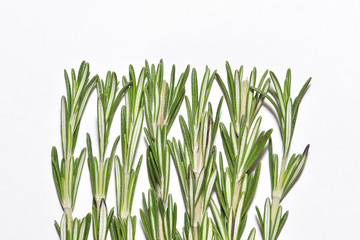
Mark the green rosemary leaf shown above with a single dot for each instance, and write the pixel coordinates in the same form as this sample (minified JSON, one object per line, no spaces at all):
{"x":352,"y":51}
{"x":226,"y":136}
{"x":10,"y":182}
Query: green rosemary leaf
{"x":109,"y":218}
{"x":91,"y":163}
{"x":297,"y":103}
{"x":267,"y":220}
{"x":83,"y":74}
{"x":287,"y":85}
{"x":209,"y":187}
{"x":190,"y":117}
{"x":295,"y":170}
{"x":85,"y":227}
{"x":123,"y":134}
{"x":226,"y":95}
{"x":252,"y":185}
{"x":253,"y":136}
{"x":63,"y":228}
{"x":56,"y":173}
{"x":230,"y":80}
{"x":259,"y":145}
{"x":279,"y":113}
{"x":261,"y":222}
{"x":279,"y":93}
{"x":276,"y":224}
{"x":252,"y":234}
{"x":288,"y":129}
{"x":242,"y":226}
{"x":238,"y":215}
{"x":219,"y":219}
{"x":68,"y":89}
{"x":217,"y":119}
{"x":101,"y":127}
{"x":186,"y":133}
{"x":229,"y":150}
{"x":102,"y":221}
{"x":194,"y":91}
{"x":64,"y":126}
{"x":272,"y":164}
{"x":282,"y":222}
{"x":134,"y":140}
{"x":77,"y":175}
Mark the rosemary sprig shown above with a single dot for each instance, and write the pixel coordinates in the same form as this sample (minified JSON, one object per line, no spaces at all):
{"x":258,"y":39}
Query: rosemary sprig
{"x":100,"y":170}
{"x":67,"y":174}
{"x":273,"y":219}
{"x":194,"y":159}
{"x":236,"y":186}
{"x":162,"y":103}
{"x":132,"y":116}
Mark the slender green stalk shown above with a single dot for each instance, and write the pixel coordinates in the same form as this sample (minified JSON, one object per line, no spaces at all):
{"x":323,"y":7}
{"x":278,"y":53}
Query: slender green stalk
{"x":162,"y":103}
{"x":100,"y":170}
{"x":236,"y":186}
{"x":132,"y":116}
{"x":194,"y":159}
{"x":67,"y":174}
{"x":273,"y":220}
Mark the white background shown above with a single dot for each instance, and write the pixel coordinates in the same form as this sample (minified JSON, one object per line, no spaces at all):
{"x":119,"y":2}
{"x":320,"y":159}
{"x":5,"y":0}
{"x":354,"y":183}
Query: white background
{"x":38,"y":39}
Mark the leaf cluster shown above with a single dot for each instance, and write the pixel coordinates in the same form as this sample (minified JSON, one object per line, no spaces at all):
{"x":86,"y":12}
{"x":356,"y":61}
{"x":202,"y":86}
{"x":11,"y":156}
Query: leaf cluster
{"x":284,"y":175}
{"x":236,"y":184}
{"x":150,"y":215}
{"x":80,"y":228}
{"x":67,"y":172}
{"x":132,"y":116}
{"x":195,"y":159}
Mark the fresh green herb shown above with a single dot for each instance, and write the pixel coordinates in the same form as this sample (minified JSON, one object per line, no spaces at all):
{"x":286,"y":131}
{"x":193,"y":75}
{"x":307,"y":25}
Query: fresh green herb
{"x":273,"y":220}
{"x":132,"y":116}
{"x":67,"y":174}
{"x":162,"y":104}
{"x":100,"y":170}
{"x":236,"y":186}
{"x":194,"y":159}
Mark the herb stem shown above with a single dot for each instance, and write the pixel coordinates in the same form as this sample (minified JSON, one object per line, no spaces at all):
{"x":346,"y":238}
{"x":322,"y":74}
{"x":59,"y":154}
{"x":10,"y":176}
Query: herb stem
{"x":67,"y":200}
{"x":198,"y":212}
{"x":198,"y":167}
{"x":160,"y":221}
{"x":68,"y":212}
{"x":276,"y":196}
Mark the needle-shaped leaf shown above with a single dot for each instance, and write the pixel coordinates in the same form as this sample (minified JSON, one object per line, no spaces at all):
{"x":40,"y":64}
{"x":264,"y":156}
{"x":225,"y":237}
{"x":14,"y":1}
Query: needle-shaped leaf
{"x":103,"y":221}
{"x":252,"y":234}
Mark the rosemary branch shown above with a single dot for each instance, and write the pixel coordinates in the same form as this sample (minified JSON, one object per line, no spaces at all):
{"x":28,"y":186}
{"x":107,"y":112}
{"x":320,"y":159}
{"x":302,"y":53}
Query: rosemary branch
{"x":162,"y":103}
{"x":67,"y":174}
{"x":100,"y":170}
{"x":236,"y":186}
{"x":273,"y":219}
{"x":194,"y":160}
{"x":123,"y":225}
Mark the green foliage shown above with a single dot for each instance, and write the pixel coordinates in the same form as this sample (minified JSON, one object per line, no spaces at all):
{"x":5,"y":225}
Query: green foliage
{"x":123,"y":228}
{"x":271,"y":229}
{"x":101,"y":220}
{"x":150,"y":96}
{"x":79,"y":230}
{"x":237,"y":183}
{"x":162,"y":103}
{"x":132,"y":116}
{"x":153,"y":210}
{"x":109,"y":98}
{"x":195,"y":158}
{"x":284,"y":178}
{"x":67,"y":172}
